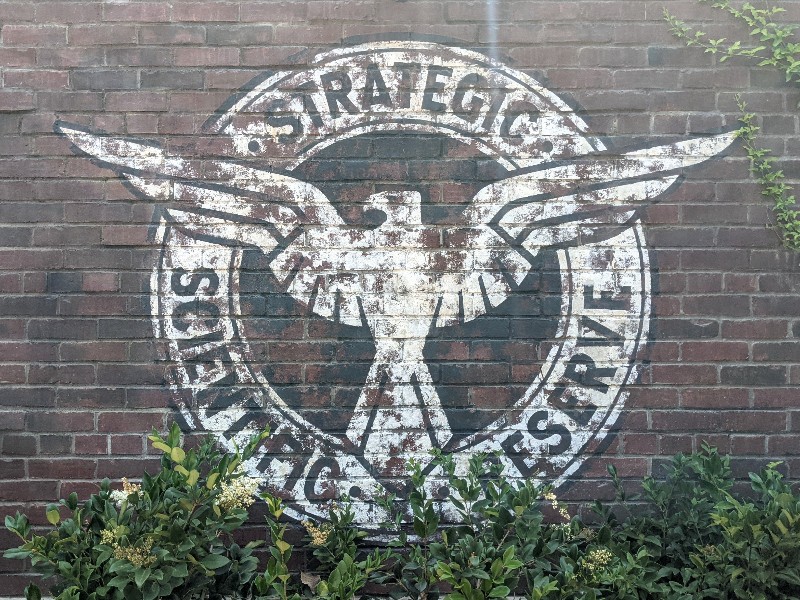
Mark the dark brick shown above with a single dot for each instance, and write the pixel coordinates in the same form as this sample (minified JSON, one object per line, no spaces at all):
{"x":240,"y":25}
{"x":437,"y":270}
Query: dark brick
{"x":474,"y":374}
{"x":19,"y":445}
{"x":34,"y":35}
{"x":62,"y":282}
{"x":777,"y":352}
{"x":753,"y":376}
{"x":61,"y":468}
{"x":131,"y":374}
{"x":61,"y":374}
{"x":139,"y":57}
{"x":139,"y":11}
{"x":169,"y":34}
{"x":238,"y":35}
{"x":30,"y":306}
{"x":687,"y":328}
{"x":102,"y":79}
{"x":28,"y":491}
{"x":62,"y":329}
{"x":777,"y":306}
{"x":124,"y":328}
{"x":658,"y":56}
{"x":175,"y":79}
{"x":714,"y":351}
{"x":727,"y":305}
{"x":205,"y":11}
{"x":114,"y":422}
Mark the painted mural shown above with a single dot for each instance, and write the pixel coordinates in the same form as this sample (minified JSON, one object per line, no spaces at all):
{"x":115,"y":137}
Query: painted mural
{"x":538,"y":232}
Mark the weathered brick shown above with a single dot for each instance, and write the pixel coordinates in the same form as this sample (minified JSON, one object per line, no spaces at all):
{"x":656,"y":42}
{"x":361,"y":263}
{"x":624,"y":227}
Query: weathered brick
{"x":17,"y":57}
{"x":238,"y":35}
{"x":114,"y":422}
{"x":34,"y":35}
{"x":206,"y":11}
{"x":174,"y":79}
{"x":156,"y":12}
{"x":213,"y":56}
{"x":16,"y":101}
{"x":753,"y":375}
{"x":171,"y":34}
{"x":103,"y":79}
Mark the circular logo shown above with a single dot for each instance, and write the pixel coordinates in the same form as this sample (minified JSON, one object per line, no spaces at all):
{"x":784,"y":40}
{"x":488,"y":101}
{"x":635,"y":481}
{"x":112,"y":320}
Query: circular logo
{"x":408,"y":247}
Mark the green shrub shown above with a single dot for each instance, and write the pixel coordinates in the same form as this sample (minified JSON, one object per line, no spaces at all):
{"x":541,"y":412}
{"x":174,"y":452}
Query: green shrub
{"x":685,"y":536}
{"x":166,"y":538}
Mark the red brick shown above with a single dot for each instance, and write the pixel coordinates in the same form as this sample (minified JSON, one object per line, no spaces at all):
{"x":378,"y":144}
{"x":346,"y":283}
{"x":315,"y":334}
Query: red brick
{"x":127,"y":444}
{"x":206,"y":11}
{"x":13,"y":101}
{"x":64,"y":374}
{"x":100,"y":282}
{"x":102,"y":35}
{"x":117,"y":468}
{"x":94,"y":351}
{"x":27,"y":491}
{"x":714,"y":351}
{"x":13,"y":374}
{"x":67,"y":12}
{"x":202,"y":57}
{"x":28,"y":352}
{"x":111,"y":422}
{"x":775,"y":397}
{"x":718,"y":398}
{"x":172,"y":34}
{"x":61,"y":469}
{"x":60,"y":421}
{"x":274,"y":12}
{"x":137,"y":11}
{"x":17,"y":57}
{"x":341,"y":10}
{"x":34,"y":35}
{"x":70,"y":101}
{"x":17,"y":11}
{"x":136,"y":101}
{"x":91,"y":444}
{"x":639,"y":443}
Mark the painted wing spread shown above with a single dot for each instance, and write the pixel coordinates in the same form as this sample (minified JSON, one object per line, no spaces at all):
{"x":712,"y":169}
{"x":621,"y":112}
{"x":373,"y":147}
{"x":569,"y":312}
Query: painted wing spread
{"x":395,"y":272}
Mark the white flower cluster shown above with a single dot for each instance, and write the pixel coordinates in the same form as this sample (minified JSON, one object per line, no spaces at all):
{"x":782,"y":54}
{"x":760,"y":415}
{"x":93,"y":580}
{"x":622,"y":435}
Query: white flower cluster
{"x":238,"y":493}
{"x":128,"y":488}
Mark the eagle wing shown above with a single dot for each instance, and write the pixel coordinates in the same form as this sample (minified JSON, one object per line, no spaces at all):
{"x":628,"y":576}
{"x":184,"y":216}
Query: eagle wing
{"x":576,"y":202}
{"x":217,"y":199}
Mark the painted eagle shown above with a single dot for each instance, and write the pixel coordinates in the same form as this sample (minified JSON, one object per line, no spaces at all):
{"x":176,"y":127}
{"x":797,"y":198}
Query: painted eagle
{"x":397,"y":278}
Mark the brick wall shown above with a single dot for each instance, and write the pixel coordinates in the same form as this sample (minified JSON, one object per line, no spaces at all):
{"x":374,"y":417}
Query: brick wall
{"x":83,"y":375}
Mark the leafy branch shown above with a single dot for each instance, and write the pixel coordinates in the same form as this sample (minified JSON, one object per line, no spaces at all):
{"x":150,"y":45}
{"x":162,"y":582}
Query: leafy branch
{"x":774,"y":48}
{"x":772,"y":181}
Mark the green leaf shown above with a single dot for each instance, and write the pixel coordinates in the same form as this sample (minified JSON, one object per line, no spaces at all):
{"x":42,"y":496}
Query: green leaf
{"x":194,"y":475}
{"x":282,"y":546}
{"x":140,"y":577}
{"x":177,"y":454}
{"x":162,"y":446}
{"x":32,"y":592}
{"x":214,"y":561}
{"x":500,"y":592}
{"x":53,"y":516}
{"x":212,"y":480}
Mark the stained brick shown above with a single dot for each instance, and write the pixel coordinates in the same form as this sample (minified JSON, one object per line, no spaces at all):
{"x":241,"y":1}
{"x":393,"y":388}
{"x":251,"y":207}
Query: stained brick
{"x":104,"y":79}
{"x":753,"y":375}
{"x":174,"y":79}
{"x":16,"y":101}
{"x":34,"y":35}
{"x":137,"y":11}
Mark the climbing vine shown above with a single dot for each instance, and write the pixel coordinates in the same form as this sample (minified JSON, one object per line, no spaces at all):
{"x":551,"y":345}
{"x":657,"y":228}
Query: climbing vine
{"x":772,"y":45}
